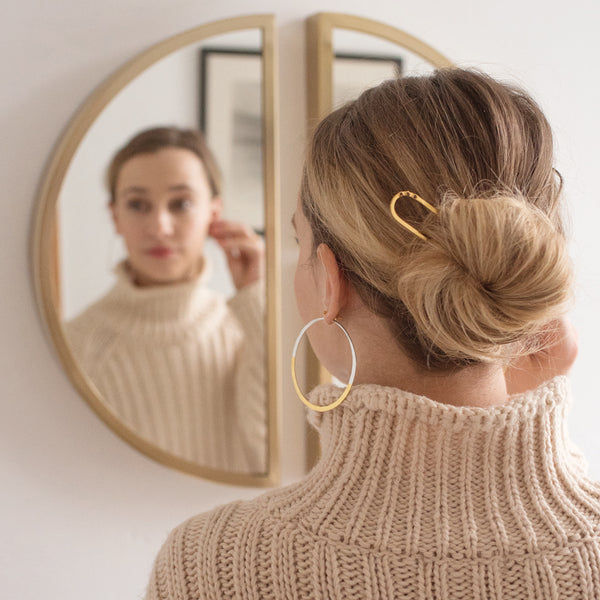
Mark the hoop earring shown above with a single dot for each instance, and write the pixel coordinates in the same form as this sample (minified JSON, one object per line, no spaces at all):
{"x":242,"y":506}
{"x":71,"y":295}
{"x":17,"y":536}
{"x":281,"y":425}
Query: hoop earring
{"x":352,"y":373}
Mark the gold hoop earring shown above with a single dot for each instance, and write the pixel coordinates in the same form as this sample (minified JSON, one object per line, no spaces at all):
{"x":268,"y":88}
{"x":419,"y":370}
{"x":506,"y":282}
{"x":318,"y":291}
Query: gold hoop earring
{"x":352,"y":373}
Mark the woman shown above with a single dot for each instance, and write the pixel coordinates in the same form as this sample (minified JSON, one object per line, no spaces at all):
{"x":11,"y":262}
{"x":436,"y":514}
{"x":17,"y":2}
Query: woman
{"x":177,"y":363}
{"x":428,"y":226}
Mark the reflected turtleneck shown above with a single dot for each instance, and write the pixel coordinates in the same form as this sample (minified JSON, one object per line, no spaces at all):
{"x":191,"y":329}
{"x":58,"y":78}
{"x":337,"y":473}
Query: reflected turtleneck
{"x":159,"y":305}
{"x":181,"y":367}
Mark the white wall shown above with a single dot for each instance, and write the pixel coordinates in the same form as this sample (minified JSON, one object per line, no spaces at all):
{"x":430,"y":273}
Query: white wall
{"x":82,"y":513}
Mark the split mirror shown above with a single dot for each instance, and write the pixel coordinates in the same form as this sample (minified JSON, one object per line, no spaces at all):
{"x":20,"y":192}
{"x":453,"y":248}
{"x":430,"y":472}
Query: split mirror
{"x":345,"y":56}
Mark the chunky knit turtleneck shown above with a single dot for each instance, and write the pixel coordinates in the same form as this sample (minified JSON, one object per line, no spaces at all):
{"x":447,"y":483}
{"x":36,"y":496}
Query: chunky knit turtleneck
{"x":411,"y":499}
{"x":161,"y":308}
{"x":181,"y":367}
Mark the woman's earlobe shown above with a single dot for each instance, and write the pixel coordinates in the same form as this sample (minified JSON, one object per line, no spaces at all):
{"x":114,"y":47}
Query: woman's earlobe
{"x":216,"y":208}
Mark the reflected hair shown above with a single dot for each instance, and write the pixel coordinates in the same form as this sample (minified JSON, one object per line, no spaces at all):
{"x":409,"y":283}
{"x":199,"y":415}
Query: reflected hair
{"x":158,"y":138}
{"x":494,"y":269}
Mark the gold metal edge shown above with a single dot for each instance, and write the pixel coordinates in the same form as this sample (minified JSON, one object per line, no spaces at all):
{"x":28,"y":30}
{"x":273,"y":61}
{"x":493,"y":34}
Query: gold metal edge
{"x":272,"y":217}
{"x":387,"y":32}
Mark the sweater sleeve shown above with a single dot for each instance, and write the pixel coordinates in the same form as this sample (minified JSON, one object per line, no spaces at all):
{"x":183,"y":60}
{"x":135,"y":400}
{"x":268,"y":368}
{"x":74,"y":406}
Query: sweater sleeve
{"x":171,"y":577}
{"x":197,"y":555}
{"x":89,"y":341}
{"x":163,"y":580}
{"x":248,"y":306}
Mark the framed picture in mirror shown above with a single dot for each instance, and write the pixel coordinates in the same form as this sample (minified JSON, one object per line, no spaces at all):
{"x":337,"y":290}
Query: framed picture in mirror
{"x":353,"y":72}
{"x":231,"y":120}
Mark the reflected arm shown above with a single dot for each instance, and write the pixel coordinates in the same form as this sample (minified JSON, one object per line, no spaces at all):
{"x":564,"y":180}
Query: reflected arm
{"x":248,"y":306}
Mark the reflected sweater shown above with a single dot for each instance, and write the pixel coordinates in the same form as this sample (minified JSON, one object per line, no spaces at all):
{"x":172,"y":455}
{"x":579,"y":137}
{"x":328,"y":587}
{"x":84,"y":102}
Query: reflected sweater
{"x":182,"y":367}
{"x":412,"y":499}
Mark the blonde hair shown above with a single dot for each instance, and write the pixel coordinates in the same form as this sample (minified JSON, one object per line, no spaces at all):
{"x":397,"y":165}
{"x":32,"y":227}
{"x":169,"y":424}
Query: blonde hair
{"x":494,"y":268}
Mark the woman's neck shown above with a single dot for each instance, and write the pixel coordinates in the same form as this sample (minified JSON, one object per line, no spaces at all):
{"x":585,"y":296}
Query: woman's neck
{"x":144,"y":281}
{"x":380,"y":361}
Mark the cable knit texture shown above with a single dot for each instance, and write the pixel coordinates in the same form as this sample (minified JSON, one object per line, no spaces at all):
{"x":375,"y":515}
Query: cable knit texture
{"x":412,"y":499}
{"x":181,"y":367}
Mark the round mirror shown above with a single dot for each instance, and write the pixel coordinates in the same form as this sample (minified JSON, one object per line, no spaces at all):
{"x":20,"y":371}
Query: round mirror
{"x":155,"y":252}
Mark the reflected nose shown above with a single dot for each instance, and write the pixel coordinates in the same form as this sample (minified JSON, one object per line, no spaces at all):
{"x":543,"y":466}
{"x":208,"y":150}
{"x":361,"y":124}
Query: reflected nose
{"x":161,"y":223}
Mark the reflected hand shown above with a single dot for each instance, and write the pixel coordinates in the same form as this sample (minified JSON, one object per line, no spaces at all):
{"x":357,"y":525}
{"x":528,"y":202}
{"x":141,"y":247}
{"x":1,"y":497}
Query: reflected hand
{"x":557,"y":358}
{"x":244,"y":249}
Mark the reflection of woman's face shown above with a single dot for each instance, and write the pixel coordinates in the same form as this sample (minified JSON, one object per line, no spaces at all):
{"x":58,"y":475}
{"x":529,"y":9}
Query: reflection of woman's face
{"x":162,"y":209}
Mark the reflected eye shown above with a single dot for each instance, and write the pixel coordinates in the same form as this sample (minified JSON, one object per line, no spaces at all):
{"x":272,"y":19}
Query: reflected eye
{"x":180,"y":204}
{"x":138,"y":205}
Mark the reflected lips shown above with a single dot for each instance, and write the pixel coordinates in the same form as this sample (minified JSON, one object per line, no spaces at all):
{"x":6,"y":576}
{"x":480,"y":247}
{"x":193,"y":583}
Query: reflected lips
{"x":160,"y":252}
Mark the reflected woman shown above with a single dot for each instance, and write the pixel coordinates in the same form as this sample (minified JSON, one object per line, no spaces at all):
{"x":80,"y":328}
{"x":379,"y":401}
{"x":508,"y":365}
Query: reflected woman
{"x":177,"y":362}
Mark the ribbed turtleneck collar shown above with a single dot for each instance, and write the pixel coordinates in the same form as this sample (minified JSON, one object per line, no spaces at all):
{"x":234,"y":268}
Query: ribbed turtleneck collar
{"x":402,"y":471}
{"x":161,"y":304}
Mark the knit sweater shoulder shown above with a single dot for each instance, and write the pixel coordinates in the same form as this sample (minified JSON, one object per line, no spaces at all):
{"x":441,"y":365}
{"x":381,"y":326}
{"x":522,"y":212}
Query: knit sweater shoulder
{"x":182,"y":367}
{"x":411,"y":499}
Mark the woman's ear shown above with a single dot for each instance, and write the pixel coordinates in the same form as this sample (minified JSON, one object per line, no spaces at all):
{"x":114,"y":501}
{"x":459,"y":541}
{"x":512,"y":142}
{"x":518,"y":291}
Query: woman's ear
{"x":336,"y":285}
{"x":216,"y":208}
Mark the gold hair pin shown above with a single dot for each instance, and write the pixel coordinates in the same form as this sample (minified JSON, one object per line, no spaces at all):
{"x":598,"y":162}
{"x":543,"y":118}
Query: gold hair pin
{"x":402,"y":222}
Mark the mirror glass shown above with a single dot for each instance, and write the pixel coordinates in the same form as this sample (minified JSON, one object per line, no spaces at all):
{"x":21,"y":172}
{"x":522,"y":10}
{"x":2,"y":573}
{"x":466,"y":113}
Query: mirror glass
{"x":160,"y":284}
{"x":363,"y":61}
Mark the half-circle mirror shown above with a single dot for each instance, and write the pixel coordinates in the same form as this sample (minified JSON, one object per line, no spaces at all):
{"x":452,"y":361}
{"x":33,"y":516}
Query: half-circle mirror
{"x":158,"y":277}
{"x":347,"y":54}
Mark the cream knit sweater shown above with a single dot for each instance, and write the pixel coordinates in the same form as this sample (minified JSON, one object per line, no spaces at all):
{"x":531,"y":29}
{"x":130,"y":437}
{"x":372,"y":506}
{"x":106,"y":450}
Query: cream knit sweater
{"x":412,"y":499}
{"x":181,"y":367}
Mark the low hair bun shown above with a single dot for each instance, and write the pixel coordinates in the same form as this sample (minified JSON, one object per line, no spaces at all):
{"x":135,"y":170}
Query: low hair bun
{"x":492,"y":273}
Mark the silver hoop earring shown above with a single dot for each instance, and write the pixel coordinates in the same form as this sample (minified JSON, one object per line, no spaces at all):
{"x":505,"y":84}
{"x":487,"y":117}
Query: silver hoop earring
{"x":352,"y":373}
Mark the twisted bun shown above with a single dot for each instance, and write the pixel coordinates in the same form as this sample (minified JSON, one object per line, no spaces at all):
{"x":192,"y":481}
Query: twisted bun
{"x":493,"y":272}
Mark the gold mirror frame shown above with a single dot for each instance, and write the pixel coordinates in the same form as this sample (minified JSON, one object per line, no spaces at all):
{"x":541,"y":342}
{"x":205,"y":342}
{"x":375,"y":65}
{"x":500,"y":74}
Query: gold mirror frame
{"x":44,"y":239}
{"x":319,"y":77}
